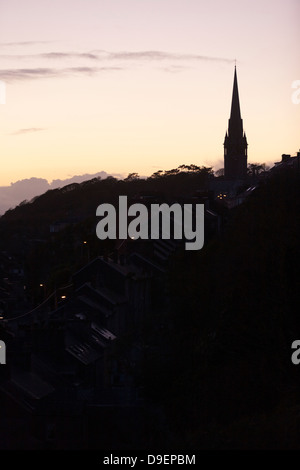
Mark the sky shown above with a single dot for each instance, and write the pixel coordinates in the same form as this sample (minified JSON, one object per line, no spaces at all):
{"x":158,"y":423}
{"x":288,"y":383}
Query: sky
{"x":127,"y":86}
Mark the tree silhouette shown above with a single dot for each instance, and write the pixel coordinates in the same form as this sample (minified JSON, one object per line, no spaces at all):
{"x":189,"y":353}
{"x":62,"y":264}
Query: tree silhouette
{"x":132,"y":177}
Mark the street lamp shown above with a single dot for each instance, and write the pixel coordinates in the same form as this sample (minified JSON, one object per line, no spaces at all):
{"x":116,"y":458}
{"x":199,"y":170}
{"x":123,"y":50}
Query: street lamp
{"x":44,"y":290}
{"x":88,"y":249}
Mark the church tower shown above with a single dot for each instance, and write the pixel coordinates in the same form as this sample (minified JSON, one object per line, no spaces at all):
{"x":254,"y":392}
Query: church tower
{"x":235,"y":143}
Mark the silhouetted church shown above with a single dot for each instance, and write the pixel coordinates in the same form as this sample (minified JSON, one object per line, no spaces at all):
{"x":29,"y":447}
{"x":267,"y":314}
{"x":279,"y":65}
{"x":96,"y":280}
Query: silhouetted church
{"x":235,"y":143}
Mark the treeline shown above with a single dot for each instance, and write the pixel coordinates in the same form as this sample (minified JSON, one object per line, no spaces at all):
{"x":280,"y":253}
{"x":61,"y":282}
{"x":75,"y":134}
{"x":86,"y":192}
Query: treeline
{"x":80,"y":200}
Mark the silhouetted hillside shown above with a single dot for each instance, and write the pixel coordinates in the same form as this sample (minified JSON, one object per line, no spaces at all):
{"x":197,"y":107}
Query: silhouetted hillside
{"x":228,"y":381}
{"x":26,"y":189}
{"x":53,"y":235}
{"x":78,"y":201}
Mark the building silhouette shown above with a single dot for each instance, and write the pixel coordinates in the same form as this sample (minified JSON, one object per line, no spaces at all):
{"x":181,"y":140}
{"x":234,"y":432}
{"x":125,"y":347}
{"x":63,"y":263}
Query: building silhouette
{"x":235,"y":143}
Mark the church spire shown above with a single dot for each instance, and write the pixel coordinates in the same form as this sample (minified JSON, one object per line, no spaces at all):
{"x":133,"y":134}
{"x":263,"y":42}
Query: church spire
{"x":235,"y":144}
{"x":235,"y":103}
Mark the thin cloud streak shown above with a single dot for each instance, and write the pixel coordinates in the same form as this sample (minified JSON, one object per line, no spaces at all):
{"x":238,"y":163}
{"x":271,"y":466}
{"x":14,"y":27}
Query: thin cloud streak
{"x":174,"y":68}
{"x":11,"y":75}
{"x":122,"y":55}
{"x":167,"y":58}
{"x":71,"y":55}
{"x":27,"y":130}
{"x":52,"y":55}
{"x":23,"y":43}
{"x":161,"y":55}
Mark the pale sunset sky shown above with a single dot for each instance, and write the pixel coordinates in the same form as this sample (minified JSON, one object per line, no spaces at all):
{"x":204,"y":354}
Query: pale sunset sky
{"x":141,"y":85}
